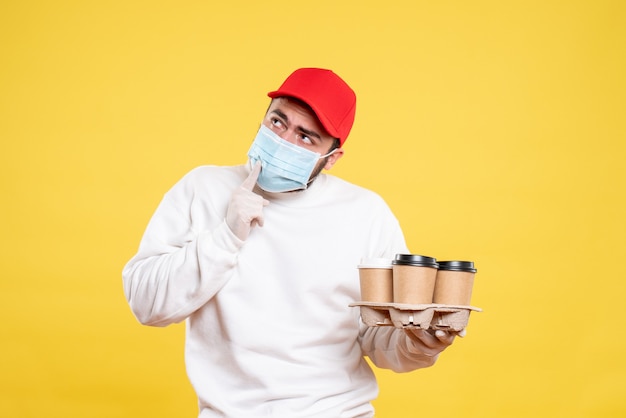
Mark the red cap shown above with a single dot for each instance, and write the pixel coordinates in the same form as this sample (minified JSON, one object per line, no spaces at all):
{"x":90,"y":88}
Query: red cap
{"x":332,"y":100}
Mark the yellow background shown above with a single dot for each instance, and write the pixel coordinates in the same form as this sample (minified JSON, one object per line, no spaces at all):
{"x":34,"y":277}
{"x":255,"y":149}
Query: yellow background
{"x":494,"y":129}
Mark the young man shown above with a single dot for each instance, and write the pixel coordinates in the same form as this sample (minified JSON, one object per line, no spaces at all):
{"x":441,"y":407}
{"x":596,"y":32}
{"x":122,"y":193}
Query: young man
{"x":261,"y":261}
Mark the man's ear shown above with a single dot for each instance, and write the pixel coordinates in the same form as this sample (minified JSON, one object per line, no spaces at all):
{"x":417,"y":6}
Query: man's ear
{"x":333,"y":158}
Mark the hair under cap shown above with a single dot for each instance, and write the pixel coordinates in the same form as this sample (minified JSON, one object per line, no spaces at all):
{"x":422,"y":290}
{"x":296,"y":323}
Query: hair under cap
{"x":332,"y":100}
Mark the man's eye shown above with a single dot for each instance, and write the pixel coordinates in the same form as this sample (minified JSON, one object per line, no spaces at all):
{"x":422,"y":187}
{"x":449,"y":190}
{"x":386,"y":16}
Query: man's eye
{"x":277,"y":122}
{"x":306,"y":140}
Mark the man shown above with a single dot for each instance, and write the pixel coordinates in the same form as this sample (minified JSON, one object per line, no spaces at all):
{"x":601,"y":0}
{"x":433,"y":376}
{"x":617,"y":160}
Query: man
{"x":261,"y":261}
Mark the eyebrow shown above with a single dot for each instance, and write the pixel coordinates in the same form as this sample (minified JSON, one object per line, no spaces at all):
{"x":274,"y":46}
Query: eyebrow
{"x":305,"y":131}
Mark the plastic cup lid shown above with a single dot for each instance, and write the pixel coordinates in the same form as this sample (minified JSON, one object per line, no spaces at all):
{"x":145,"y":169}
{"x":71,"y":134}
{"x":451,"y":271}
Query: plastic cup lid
{"x":415,"y":260}
{"x":456,"y":265}
{"x":375,"y":263}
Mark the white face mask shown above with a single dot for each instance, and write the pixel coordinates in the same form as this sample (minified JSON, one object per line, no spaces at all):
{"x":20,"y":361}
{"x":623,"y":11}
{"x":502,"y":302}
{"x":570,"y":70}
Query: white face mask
{"x":284,"y":166}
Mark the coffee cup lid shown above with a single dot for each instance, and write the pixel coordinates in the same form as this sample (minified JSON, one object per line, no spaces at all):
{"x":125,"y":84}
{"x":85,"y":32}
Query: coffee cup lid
{"x":456,"y":265}
{"x":415,"y":260}
{"x":375,"y":263}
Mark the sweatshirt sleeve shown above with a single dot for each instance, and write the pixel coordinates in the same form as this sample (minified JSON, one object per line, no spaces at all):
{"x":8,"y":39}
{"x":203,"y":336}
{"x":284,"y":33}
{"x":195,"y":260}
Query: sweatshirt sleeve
{"x":179,"y":267}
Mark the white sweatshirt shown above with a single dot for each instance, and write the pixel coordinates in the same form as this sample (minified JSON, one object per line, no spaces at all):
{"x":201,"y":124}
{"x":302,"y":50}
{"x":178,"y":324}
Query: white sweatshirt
{"x":269,"y":329}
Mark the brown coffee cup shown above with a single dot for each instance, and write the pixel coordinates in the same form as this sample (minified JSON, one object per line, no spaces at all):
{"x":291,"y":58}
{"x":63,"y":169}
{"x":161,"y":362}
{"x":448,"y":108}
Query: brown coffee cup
{"x":455,"y":280}
{"x":376,"y":278}
{"x":414,"y":279}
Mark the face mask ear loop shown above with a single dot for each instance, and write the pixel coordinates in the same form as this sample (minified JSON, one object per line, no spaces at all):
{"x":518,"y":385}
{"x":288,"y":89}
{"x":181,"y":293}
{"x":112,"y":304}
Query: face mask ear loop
{"x":322,"y":156}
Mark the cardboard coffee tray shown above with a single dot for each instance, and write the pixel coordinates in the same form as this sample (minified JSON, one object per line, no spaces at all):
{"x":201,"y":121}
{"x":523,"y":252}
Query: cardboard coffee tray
{"x":400,"y":315}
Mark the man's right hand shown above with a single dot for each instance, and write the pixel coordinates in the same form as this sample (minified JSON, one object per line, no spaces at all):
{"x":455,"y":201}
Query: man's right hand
{"x":245,"y":209}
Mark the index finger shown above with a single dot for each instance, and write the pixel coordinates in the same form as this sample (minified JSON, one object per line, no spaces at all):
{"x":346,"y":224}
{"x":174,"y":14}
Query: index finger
{"x":250,"y":181}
